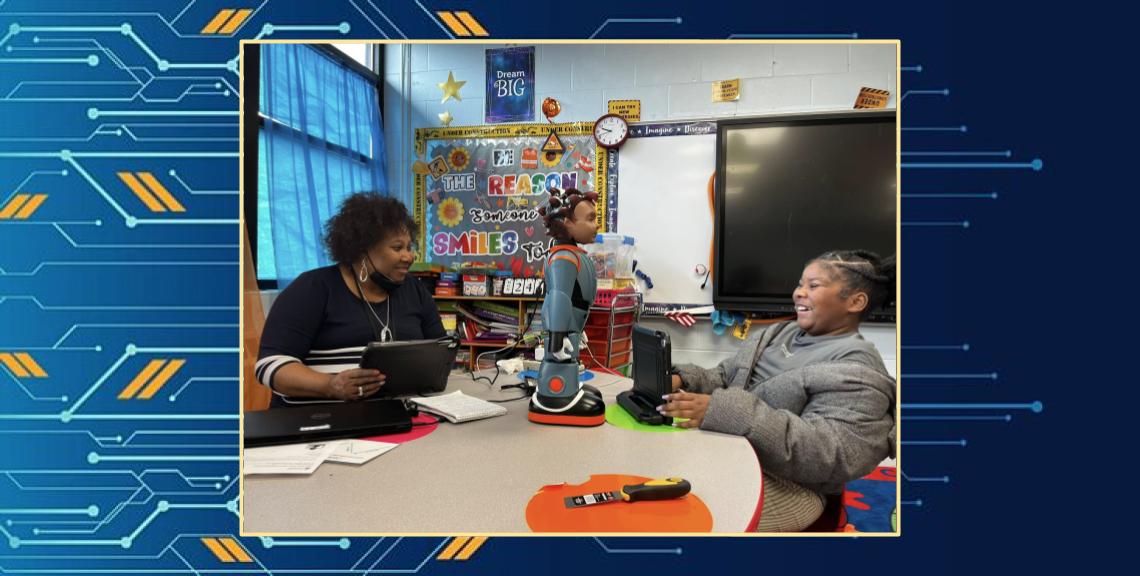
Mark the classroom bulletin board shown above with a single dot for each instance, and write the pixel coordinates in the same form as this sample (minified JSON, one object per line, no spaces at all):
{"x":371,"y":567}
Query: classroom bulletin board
{"x":477,"y":204}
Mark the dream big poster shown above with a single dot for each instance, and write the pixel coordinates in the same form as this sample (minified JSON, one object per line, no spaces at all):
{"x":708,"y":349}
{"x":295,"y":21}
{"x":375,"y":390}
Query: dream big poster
{"x":510,"y":85}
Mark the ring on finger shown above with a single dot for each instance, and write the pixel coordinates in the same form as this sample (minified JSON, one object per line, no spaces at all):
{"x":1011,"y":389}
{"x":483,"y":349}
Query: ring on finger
{"x":360,"y":391}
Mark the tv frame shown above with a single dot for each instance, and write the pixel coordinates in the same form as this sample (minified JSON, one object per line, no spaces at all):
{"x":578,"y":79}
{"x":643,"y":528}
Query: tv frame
{"x":772,"y":306}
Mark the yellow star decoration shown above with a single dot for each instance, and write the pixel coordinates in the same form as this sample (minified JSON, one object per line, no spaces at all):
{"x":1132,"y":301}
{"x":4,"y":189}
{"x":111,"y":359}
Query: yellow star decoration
{"x":451,"y":88}
{"x":445,"y":118}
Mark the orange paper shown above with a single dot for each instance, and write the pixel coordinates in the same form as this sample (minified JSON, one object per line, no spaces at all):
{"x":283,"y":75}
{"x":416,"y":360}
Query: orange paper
{"x":547,"y":511}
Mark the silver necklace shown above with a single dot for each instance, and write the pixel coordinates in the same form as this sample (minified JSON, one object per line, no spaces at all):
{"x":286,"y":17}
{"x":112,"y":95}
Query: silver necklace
{"x":385,"y":333}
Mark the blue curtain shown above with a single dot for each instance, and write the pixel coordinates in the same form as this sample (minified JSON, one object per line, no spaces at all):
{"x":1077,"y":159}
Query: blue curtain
{"x":321,"y":141}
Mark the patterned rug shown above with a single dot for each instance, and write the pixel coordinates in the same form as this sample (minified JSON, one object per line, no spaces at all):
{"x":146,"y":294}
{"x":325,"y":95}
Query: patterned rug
{"x":871,"y":501}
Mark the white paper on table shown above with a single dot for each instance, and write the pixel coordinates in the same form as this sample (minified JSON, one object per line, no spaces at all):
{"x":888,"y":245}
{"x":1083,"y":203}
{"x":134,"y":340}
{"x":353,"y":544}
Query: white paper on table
{"x":288,"y":459}
{"x":359,"y":451}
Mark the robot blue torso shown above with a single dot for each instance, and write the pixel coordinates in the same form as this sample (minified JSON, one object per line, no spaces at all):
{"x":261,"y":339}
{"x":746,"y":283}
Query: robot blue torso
{"x":571,"y":284}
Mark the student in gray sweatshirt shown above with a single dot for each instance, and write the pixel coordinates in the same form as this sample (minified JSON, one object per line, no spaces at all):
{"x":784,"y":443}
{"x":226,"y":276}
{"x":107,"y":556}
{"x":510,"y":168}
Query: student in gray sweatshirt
{"x":812,"y":396}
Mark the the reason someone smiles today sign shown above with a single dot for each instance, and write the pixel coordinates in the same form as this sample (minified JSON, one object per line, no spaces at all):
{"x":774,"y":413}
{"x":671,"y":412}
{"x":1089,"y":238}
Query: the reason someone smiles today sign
{"x":510,"y":85}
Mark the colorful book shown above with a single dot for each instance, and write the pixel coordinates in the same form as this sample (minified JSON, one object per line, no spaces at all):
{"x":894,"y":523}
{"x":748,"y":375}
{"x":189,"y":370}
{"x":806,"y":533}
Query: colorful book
{"x":467,"y":331}
{"x":421,"y":266}
{"x":493,"y":316}
{"x":504,"y":327}
{"x":497,"y":307}
{"x":471,"y":317}
{"x":450,"y":321}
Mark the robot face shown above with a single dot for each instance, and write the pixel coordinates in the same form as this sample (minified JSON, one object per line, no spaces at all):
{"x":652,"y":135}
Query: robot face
{"x":582,"y":226}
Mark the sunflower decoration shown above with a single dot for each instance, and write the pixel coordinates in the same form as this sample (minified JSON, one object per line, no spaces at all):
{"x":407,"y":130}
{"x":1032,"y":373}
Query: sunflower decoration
{"x":450,"y":212}
{"x":459,"y":158}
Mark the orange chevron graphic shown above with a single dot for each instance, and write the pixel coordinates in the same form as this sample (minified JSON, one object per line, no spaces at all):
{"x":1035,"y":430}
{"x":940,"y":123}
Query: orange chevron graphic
{"x":462,"y":23}
{"x":164,"y":372}
{"x":22,"y":365}
{"x":222,"y":23}
{"x":152,"y":193}
{"x":227,"y":550}
{"x":461,"y":548}
{"x":22,"y":206}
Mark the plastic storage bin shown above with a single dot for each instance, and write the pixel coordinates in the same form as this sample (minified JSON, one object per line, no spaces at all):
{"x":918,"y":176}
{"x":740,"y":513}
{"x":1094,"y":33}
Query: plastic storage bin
{"x":602,"y":319}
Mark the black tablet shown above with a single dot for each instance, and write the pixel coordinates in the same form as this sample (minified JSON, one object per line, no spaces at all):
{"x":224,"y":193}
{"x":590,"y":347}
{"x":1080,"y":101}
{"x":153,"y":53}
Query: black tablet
{"x":651,"y":379}
{"x":651,"y":363}
{"x":412,"y":367}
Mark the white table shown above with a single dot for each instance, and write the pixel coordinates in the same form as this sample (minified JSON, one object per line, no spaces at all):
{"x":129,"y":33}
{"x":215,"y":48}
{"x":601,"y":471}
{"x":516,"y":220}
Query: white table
{"x":477,"y":477}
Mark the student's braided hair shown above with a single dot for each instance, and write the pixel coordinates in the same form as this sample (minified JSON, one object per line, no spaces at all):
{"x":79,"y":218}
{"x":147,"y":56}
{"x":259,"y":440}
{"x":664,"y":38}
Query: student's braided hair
{"x":559,"y":207}
{"x":862,"y":271}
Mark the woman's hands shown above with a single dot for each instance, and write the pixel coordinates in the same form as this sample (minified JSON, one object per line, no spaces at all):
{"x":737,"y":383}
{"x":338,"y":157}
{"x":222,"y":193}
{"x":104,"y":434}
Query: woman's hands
{"x":685,"y":405}
{"x":355,"y":384}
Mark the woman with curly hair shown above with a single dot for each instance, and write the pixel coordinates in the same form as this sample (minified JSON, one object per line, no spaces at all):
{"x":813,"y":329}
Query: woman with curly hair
{"x":319,"y":325}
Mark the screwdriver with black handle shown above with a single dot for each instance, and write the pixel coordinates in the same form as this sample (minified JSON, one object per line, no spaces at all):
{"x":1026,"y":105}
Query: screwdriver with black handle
{"x":661,"y":489}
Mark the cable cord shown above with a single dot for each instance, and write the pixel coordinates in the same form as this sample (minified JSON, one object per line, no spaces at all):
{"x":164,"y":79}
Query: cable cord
{"x":509,"y":347}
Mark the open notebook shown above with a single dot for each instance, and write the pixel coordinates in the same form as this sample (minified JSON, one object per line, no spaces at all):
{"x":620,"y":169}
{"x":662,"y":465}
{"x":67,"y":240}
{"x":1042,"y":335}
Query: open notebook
{"x":458,"y":407}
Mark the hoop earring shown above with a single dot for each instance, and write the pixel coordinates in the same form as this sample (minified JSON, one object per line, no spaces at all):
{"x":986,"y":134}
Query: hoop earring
{"x":363,"y":272}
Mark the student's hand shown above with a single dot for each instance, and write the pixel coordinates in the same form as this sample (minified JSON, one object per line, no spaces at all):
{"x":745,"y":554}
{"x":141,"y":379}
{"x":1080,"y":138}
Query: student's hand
{"x":355,"y":384}
{"x":676,"y":382}
{"x":685,"y":405}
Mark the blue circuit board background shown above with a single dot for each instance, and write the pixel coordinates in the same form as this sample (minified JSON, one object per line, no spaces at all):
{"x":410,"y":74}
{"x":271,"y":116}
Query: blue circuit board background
{"x":98,"y":287}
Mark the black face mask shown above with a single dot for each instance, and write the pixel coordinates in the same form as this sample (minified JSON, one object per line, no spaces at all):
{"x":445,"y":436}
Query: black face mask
{"x":381,"y":280}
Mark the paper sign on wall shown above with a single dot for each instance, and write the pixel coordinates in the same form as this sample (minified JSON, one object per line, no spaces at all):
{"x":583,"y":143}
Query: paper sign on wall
{"x":628,"y":109}
{"x":510,"y":84}
{"x":872,"y":98}
{"x":553,"y":143}
{"x":438,"y":167}
{"x":726,"y":90}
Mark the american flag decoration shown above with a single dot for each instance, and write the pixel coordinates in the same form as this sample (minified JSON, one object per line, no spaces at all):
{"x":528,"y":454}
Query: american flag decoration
{"x":687,"y":317}
{"x":682,"y":317}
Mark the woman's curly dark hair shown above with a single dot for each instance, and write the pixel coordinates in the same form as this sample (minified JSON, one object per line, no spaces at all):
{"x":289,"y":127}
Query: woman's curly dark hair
{"x":364,"y":219}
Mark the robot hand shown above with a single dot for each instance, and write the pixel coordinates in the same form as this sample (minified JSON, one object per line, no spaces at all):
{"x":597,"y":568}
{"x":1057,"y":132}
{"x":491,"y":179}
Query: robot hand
{"x":565,"y":353}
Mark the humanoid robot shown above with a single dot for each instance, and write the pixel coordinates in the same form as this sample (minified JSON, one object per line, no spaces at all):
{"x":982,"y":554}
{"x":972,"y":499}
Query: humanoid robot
{"x":570,"y":288}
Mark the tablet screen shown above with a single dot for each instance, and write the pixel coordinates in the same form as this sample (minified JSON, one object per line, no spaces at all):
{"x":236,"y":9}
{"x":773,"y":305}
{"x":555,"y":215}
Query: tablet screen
{"x":651,"y":362}
{"x":411,"y":367}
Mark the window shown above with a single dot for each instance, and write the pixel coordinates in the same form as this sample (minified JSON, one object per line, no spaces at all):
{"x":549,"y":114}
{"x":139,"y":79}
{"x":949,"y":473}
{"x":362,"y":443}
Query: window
{"x":362,"y":53}
{"x":320,"y":140}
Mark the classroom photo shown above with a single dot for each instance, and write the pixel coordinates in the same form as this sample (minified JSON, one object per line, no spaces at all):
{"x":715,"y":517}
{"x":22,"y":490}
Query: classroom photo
{"x":578,"y":288}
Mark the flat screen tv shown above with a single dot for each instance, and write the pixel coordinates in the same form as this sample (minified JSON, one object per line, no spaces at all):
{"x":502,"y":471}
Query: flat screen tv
{"x":789,"y":188}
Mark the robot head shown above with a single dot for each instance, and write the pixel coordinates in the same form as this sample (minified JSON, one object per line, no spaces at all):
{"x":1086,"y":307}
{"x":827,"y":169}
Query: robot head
{"x":569,"y":215}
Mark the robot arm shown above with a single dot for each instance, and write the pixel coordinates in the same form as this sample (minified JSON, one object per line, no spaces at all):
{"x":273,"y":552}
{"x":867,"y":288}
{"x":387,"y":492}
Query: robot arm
{"x":557,"y":308}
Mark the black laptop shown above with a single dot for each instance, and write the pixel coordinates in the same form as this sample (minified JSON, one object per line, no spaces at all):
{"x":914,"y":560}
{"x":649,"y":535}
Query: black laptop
{"x":651,"y":379}
{"x":332,"y":421}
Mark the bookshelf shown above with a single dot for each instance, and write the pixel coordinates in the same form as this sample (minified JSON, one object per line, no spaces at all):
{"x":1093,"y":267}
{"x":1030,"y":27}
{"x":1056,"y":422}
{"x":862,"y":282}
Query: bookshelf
{"x":520,"y":305}
{"x":519,"y":299}
{"x":609,"y":328}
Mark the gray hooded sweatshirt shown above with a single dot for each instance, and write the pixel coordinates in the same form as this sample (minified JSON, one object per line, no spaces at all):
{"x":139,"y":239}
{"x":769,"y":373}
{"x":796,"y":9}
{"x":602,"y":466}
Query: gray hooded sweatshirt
{"x":820,"y":426}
